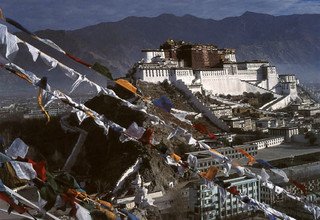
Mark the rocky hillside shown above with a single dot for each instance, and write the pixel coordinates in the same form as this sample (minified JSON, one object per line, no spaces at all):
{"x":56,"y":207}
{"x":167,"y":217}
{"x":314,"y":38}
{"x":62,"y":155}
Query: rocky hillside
{"x":291,"y":42}
{"x":103,"y":159}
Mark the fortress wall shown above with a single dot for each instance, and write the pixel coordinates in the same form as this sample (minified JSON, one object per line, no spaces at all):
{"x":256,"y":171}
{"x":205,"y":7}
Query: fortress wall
{"x":186,"y":75}
{"x":263,"y":84}
{"x":149,"y":55}
{"x":282,"y":103}
{"x":227,"y":84}
{"x":153,"y":75}
{"x":252,"y":88}
{"x":200,"y":106}
{"x":248,"y":75}
{"x":220,"y":81}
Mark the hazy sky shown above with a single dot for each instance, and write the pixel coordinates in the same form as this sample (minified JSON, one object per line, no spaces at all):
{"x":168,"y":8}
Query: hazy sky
{"x":72,"y":14}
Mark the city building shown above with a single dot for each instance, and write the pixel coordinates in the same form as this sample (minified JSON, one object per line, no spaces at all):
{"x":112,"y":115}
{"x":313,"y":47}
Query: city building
{"x":198,"y":201}
{"x":244,"y":124}
{"x":286,"y":132}
{"x":208,"y":204}
{"x":308,"y":111}
{"x":312,"y":186}
{"x":267,"y":122}
{"x":205,"y":160}
{"x":267,"y":142}
{"x":221,"y":110}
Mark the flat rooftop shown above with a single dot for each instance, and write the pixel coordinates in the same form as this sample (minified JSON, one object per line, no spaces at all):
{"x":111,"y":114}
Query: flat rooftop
{"x":287,"y":155}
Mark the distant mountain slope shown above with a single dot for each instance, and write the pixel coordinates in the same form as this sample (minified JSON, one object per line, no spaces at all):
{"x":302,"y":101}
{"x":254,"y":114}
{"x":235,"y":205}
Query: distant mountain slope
{"x":291,"y":42}
{"x":284,"y":40}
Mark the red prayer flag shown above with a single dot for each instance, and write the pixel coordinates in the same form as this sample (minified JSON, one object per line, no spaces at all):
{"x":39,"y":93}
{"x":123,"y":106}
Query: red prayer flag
{"x":212,"y":136}
{"x":301,"y":186}
{"x":70,"y":198}
{"x":204,"y":130}
{"x":233,"y":190}
{"x":201,"y":128}
{"x":39,"y":167}
{"x":78,"y":60}
{"x":147,"y":136}
{"x":18,"y":208}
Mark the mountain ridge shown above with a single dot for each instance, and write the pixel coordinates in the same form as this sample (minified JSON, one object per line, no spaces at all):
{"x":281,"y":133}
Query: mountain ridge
{"x":290,"y":42}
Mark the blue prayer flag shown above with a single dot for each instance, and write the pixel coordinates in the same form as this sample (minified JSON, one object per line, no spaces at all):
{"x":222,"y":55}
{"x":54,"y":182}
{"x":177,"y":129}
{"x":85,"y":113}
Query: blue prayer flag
{"x":265,"y":164}
{"x":164,"y":103}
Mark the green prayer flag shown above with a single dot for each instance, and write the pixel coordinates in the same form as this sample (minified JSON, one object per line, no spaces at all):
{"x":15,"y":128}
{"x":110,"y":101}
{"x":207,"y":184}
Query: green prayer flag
{"x":102,"y":69}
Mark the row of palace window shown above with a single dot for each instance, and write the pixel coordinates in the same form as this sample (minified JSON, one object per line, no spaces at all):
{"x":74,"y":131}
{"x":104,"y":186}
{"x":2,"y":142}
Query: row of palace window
{"x":159,"y":73}
{"x":271,"y":142}
{"x":218,"y":73}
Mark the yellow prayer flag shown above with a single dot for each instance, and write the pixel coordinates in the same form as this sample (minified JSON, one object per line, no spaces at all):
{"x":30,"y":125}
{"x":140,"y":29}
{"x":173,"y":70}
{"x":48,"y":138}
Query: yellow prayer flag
{"x":251,"y":159}
{"x":176,"y":157}
{"x":41,"y":105}
{"x":210,"y":174}
{"x":127,"y":85}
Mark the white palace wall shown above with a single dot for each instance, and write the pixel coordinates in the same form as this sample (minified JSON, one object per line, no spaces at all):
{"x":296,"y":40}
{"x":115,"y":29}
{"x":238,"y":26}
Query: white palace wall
{"x":153,"y":75}
{"x":186,"y":75}
{"x":225,"y":84}
{"x":231,"y":79}
{"x":218,"y":81}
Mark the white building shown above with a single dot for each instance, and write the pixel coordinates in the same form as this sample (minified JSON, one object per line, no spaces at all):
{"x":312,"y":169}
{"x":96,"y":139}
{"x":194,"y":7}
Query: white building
{"x":205,"y":160}
{"x":267,"y":142}
{"x":208,"y":204}
{"x":286,"y":132}
{"x":199,"y":68}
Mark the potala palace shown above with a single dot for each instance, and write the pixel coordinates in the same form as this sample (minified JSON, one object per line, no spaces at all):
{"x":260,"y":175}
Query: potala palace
{"x":210,"y":70}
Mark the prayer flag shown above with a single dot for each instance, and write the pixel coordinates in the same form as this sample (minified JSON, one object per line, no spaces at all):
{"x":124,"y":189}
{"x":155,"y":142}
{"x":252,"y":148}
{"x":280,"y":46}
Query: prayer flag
{"x":17,"y":149}
{"x":102,"y":69}
{"x":280,"y":173}
{"x":264,"y":163}
{"x":39,"y":167}
{"x":176,"y":157}
{"x":127,"y":85}
{"x":164,"y":103}
{"x":147,"y":136}
{"x":204,"y":130}
{"x":78,"y":60}
{"x":240,"y":170}
{"x":82,"y":213}
{"x":222,"y":195}
{"x":135,"y":131}
{"x":192,"y":161}
{"x":19,"y":26}
{"x":10,"y":41}
{"x":264,"y":175}
{"x":13,"y":206}
{"x":42,"y":87}
{"x":233,"y":190}
{"x":4,"y":195}
{"x":301,"y":186}
{"x":34,"y":52}
{"x":251,"y":159}
{"x":201,"y":128}
{"x":1,"y":15}
{"x":212,"y":136}
{"x":23,"y":170}
{"x":210,"y":174}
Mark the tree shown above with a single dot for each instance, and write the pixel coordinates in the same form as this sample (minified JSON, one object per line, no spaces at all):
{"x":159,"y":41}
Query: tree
{"x":311,"y":136}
